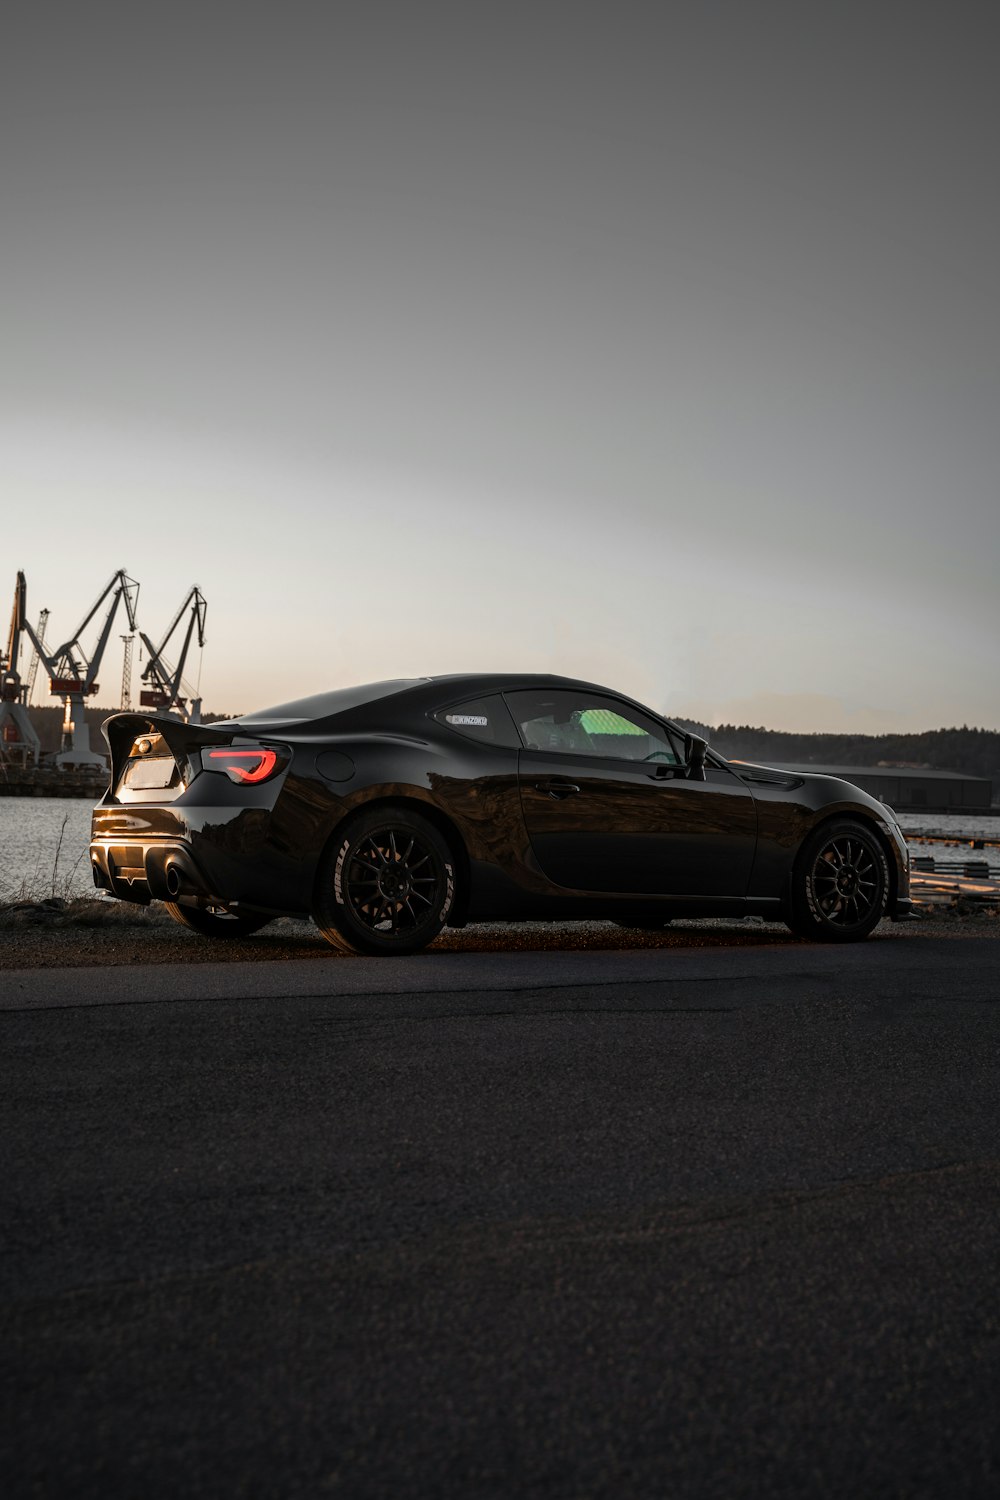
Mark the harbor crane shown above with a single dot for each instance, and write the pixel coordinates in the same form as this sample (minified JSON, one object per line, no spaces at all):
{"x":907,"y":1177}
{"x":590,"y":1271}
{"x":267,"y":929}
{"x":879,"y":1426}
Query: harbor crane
{"x":19,"y":741}
{"x":168,"y":691}
{"x":40,"y":629}
{"x":72,"y":674}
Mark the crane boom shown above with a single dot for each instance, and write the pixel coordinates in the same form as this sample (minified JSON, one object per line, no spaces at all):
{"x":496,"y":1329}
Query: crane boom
{"x":16,"y":624}
{"x":18,"y":738}
{"x":70,"y":669}
{"x":168,"y":690}
{"x":38,"y":634}
{"x":72,"y":674}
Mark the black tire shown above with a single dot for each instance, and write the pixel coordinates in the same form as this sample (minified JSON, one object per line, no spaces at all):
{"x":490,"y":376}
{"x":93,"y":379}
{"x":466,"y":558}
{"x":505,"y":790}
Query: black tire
{"x":840,"y":885}
{"x":386,"y":884}
{"x":215,"y":921}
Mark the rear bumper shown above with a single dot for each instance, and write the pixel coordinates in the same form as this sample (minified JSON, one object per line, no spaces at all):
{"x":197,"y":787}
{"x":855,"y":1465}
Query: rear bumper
{"x":136,"y":871}
{"x":226,"y":855}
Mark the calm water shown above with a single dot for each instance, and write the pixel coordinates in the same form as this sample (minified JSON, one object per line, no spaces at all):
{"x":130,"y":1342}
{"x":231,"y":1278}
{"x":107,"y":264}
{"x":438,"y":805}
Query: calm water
{"x":30,"y":829}
{"x":954,"y":824}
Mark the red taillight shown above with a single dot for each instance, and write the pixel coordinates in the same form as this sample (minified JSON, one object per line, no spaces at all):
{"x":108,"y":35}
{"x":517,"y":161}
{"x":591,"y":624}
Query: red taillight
{"x":245,"y":766}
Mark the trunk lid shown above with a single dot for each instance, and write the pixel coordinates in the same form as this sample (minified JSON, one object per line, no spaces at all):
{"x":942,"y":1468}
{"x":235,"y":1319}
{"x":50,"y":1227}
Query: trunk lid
{"x":154,"y":758}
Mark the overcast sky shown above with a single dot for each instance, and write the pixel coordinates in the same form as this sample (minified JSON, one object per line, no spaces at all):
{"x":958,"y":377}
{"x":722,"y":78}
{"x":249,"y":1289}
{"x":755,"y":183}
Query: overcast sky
{"x":654,"y":344}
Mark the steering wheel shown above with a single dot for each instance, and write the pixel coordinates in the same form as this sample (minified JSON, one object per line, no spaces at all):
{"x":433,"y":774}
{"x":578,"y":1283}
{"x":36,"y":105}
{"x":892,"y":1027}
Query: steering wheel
{"x":661,"y":755}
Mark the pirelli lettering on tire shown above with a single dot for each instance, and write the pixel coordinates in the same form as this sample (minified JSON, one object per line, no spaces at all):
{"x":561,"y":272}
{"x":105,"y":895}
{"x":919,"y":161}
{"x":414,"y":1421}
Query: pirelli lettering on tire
{"x":338,"y":874}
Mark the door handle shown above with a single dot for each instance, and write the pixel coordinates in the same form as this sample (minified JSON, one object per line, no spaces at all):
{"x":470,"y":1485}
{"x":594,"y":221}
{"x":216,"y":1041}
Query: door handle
{"x":557,"y":789}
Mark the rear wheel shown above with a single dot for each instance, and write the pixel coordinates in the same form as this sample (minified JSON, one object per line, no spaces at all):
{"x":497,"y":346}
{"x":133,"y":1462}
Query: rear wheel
{"x":385,"y":885}
{"x":840,"y":886}
{"x":215,"y":921}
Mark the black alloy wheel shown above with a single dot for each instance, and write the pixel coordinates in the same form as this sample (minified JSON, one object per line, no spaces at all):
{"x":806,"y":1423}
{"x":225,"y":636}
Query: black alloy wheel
{"x":840,"y":886}
{"x":216,"y":921}
{"x":386,"y":885}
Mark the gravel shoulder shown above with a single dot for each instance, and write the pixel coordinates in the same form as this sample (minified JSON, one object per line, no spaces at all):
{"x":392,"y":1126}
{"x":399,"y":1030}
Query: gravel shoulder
{"x":94,"y":933}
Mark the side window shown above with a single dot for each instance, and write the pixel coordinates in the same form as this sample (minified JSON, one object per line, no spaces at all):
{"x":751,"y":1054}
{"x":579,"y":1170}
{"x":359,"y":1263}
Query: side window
{"x":484,"y":719}
{"x":589,"y":724}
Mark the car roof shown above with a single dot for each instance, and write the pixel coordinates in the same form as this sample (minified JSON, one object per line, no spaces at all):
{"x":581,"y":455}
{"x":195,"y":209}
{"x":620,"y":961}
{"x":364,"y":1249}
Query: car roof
{"x":479,"y":684}
{"x":500,"y":682}
{"x":422,"y":692}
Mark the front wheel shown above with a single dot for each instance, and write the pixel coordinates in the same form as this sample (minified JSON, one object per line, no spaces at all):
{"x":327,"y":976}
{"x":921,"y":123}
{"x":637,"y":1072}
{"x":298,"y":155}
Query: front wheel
{"x":215,"y":921}
{"x":840,"y":885}
{"x":386,"y":885}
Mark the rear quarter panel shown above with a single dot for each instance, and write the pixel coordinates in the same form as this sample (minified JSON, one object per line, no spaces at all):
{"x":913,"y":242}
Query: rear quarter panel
{"x":473,"y":786}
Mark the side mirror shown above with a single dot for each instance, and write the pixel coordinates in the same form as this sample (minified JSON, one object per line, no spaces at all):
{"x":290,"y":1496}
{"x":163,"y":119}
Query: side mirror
{"x":695,"y":749}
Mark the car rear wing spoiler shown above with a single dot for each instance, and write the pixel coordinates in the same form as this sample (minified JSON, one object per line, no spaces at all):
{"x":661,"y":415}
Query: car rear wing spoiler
{"x":184,"y":741}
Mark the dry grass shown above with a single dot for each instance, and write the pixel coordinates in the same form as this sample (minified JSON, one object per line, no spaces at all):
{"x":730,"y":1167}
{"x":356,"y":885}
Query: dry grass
{"x":46,"y":882}
{"x":44,"y":898}
{"x":81,"y":911}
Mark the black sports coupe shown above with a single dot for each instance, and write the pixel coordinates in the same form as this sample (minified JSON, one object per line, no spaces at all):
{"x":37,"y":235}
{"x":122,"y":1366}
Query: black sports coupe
{"x":390,"y":811}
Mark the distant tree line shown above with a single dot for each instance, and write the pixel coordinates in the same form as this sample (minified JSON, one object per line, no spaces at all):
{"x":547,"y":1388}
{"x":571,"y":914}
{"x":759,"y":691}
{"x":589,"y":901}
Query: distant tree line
{"x":973,"y":752}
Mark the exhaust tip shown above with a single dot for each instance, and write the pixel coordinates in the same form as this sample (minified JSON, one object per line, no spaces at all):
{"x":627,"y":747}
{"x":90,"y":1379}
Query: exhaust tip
{"x":173,"y":880}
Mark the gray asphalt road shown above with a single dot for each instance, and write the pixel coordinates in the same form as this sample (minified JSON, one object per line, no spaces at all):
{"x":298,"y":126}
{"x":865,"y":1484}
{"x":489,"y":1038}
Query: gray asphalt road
{"x":698,"y":1222}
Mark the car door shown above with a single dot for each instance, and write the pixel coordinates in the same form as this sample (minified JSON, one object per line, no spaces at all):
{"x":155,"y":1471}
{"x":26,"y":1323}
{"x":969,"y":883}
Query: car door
{"x":607,"y":805}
